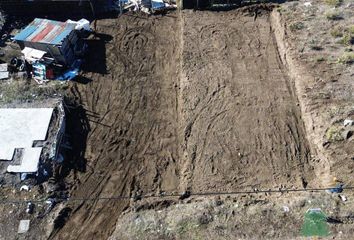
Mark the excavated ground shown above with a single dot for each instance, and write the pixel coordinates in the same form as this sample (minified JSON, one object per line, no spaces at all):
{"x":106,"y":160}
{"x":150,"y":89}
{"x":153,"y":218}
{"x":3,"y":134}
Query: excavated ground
{"x":196,"y":101}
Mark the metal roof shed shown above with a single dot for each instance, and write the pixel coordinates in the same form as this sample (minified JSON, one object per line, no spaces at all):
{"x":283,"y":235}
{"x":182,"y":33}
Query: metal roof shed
{"x":50,"y":36}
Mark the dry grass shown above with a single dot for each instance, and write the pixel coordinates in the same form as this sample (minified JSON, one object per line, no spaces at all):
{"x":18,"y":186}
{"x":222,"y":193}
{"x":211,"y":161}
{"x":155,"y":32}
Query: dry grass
{"x":333,"y":16}
{"x":334,"y":3}
{"x":346,"y":58}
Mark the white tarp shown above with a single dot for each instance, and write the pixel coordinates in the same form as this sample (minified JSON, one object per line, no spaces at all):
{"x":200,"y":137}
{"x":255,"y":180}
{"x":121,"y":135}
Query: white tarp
{"x":32,"y":55}
{"x":81,"y":24}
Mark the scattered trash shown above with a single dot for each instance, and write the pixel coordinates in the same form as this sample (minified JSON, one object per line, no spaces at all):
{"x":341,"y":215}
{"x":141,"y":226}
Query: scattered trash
{"x":146,"y":6}
{"x":30,"y":208}
{"x":286,"y":209}
{"x":23,"y":227}
{"x":337,"y":189}
{"x":4,"y":73}
{"x":348,"y":122}
{"x":343,"y":198}
{"x":82,"y":24}
{"x":185,"y":194}
{"x":24,"y":188}
{"x":307,"y":4}
{"x":23,"y":176}
{"x":17,"y":64}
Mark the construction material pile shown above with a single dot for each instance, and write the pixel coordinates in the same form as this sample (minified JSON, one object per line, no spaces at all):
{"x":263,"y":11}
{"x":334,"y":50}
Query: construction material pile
{"x":147,"y":6}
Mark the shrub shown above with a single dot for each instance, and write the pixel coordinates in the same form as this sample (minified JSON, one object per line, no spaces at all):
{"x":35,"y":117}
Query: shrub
{"x":333,"y":16}
{"x":334,"y":3}
{"x":351,"y":29}
{"x":337,"y":32}
{"x":347,"y":58}
{"x":296,"y":26}
{"x":334,"y":134}
{"x":347,"y":39}
{"x":320,"y":59}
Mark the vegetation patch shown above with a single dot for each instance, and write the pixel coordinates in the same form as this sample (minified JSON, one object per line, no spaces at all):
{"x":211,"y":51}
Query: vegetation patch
{"x":319,"y":59}
{"x":296,"y":26}
{"x":334,"y":134}
{"x":348,"y":39}
{"x":334,"y":16}
{"x":23,"y":91}
{"x":346,"y":58}
{"x":337,"y":32}
{"x":334,"y":3}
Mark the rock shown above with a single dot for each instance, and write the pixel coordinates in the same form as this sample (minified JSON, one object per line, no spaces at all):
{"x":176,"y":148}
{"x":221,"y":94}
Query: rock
{"x":347,"y":134}
{"x":286,"y":209}
{"x":348,"y":122}
{"x":24,"y":188}
{"x":343,"y":198}
{"x":24,"y":226}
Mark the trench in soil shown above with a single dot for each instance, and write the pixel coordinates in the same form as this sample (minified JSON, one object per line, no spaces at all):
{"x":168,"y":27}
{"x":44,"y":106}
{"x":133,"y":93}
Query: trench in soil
{"x":195,"y":101}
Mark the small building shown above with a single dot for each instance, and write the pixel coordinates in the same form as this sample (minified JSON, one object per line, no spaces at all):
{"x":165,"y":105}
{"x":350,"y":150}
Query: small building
{"x":57,"y":41}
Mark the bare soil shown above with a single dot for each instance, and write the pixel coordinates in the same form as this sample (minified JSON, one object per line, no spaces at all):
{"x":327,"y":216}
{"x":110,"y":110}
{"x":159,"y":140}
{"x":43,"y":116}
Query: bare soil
{"x":200,"y":102}
{"x":196,"y":101}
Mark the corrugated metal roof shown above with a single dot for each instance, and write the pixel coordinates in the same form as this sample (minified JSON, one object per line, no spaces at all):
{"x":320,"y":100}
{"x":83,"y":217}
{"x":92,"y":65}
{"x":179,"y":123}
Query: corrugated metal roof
{"x":45,"y":31}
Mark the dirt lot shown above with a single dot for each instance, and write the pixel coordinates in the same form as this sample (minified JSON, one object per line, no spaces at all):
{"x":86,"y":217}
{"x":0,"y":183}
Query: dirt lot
{"x":199,"y":102}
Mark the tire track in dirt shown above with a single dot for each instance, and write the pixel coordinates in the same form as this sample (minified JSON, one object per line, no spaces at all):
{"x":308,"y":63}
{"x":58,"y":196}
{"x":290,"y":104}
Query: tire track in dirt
{"x":132,"y":145}
{"x":243,"y":125}
{"x":199,"y":101}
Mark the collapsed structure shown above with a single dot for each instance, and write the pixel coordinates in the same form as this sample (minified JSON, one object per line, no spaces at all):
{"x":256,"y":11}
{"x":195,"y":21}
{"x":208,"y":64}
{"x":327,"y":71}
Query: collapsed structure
{"x":51,"y":47}
{"x":30,"y":137}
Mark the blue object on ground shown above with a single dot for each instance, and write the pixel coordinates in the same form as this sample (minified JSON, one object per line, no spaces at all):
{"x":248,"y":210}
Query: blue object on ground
{"x":337,"y":189}
{"x":72,"y":72}
{"x":158,"y":4}
{"x":69,"y":75}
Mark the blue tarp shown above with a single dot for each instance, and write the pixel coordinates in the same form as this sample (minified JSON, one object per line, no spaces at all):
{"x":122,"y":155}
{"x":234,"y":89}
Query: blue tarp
{"x":158,"y":5}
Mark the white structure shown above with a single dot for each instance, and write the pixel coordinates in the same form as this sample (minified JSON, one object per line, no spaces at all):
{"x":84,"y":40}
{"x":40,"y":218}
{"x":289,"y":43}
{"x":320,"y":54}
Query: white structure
{"x":19,"y":128}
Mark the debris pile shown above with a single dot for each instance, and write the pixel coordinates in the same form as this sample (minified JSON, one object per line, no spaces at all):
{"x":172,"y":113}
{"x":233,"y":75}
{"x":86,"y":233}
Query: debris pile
{"x":52,"y":50}
{"x":147,"y":6}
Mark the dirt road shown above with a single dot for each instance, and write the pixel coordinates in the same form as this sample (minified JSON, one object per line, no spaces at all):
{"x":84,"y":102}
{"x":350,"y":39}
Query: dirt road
{"x":198,"y":101}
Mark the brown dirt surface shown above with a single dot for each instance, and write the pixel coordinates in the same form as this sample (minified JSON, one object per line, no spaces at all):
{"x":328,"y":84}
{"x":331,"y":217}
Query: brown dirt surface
{"x":205,"y":102}
{"x":132,"y":144}
{"x":198,"y":101}
{"x":242,"y":124}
